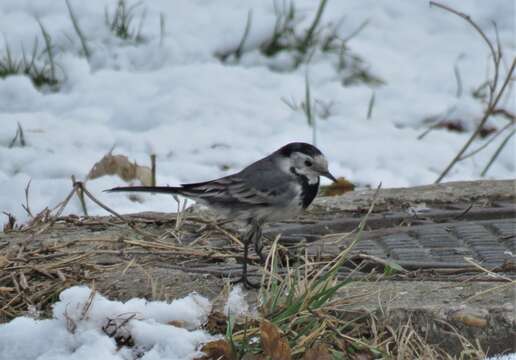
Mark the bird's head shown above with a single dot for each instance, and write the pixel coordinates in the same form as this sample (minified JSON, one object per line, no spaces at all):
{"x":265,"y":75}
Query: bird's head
{"x":304,"y":159}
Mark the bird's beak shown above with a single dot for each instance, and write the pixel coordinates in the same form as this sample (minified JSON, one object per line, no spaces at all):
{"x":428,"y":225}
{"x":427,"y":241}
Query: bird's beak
{"x":328,"y":175}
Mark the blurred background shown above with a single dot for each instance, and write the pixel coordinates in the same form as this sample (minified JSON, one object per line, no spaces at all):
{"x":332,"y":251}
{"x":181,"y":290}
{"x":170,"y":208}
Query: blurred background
{"x":389,"y":91}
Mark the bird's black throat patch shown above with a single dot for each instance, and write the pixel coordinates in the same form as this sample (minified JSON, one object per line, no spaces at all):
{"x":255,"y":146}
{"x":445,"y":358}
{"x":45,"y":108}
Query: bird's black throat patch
{"x":308,"y":191}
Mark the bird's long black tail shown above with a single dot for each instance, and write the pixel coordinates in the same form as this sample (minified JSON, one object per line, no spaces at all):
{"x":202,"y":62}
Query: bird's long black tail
{"x":149,"y":189}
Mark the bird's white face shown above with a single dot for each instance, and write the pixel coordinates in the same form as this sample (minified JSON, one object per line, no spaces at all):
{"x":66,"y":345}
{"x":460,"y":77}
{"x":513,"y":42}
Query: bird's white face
{"x":311,"y":167}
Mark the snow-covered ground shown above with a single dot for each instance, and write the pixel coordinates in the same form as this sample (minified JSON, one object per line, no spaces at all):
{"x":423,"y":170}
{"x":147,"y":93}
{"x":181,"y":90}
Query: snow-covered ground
{"x":80,"y":329}
{"x":85,"y":327}
{"x":171,"y":96}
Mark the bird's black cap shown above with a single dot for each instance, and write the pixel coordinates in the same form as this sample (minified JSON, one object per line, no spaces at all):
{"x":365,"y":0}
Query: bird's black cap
{"x":301,"y":147}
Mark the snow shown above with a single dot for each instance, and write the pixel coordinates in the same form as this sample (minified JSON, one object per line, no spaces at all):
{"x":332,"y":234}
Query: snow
{"x":25,"y":338}
{"x":171,"y":96}
{"x":236,"y":305}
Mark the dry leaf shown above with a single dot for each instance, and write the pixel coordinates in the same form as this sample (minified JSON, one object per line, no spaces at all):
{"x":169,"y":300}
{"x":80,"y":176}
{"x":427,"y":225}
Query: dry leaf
{"x":317,"y":352}
{"x":470,"y":319}
{"x":338,"y":188}
{"x":273,"y":343}
{"x":217,"y":350}
{"x":177,"y":323}
{"x":6,"y":289}
{"x":217,"y":322}
{"x":121,"y":166}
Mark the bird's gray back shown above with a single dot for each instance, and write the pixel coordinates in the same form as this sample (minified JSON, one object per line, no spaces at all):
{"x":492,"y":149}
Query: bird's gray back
{"x":260,"y":190}
{"x":269,"y":180}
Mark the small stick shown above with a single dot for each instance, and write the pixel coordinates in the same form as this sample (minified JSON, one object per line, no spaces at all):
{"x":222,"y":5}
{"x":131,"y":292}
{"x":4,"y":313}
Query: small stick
{"x":60,"y":207}
{"x":483,"y":146}
{"x":80,"y":195}
{"x":128,"y":222}
{"x":26,"y":206}
{"x":497,"y":152}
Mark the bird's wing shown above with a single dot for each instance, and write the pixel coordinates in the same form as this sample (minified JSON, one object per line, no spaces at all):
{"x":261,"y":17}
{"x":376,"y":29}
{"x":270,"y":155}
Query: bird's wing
{"x":259,"y":184}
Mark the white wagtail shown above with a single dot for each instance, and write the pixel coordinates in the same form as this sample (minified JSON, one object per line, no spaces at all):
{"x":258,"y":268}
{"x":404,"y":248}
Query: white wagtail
{"x":276,"y":187}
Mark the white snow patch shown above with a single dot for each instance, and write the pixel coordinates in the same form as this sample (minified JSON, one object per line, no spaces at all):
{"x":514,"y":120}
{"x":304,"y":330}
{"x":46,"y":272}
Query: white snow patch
{"x":503,"y":357}
{"x":26,"y":339}
{"x":236,"y":304}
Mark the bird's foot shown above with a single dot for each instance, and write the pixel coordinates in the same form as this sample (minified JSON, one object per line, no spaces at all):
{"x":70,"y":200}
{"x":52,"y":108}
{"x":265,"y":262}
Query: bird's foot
{"x":262,"y":257}
{"x":246,"y":283}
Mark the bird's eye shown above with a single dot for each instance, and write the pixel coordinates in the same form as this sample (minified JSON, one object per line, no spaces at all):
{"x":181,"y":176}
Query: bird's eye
{"x":308,"y":163}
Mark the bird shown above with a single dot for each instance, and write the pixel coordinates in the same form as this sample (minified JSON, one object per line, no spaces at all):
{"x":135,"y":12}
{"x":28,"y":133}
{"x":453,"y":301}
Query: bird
{"x":276,"y":187}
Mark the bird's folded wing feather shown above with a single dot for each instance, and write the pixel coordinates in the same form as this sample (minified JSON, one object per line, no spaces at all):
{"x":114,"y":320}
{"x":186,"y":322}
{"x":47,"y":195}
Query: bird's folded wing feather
{"x":258,"y":187}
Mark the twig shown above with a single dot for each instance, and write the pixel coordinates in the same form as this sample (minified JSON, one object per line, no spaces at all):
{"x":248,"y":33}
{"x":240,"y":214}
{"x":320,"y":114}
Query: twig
{"x":497,"y":152}
{"x":504,"y":112}
{"x":108,"y":209}
{"x":60,"y":207}
{"x":228,"y":234}
{"x":384,"y":262}
{"x":26,"y":206}
{"x":94,"y":199}
{"x":483,"y":146}
{"x":471,"y":22}
{"x":464,"y":213}
{"x":488,"y":272}
{"x":486,"y":116}
{"x":80,"y":195}
{"x":495,"y":94}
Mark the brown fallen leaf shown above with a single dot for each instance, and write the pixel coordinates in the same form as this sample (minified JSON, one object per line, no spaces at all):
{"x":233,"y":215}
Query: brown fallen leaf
{"x":177,"y":323}
{"x":217,"y":350}
{"x":338,"y":188}
{"x":217,"y":322}
{"x":470,"y":319}
{"x":317,"y":352}
{"x":273,"y":342}
{"x":120,"y":165}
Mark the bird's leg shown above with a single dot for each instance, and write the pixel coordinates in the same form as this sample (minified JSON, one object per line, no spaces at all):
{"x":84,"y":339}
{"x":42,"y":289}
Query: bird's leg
{"x":258,"y":244}
{"x":250,"y":236}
